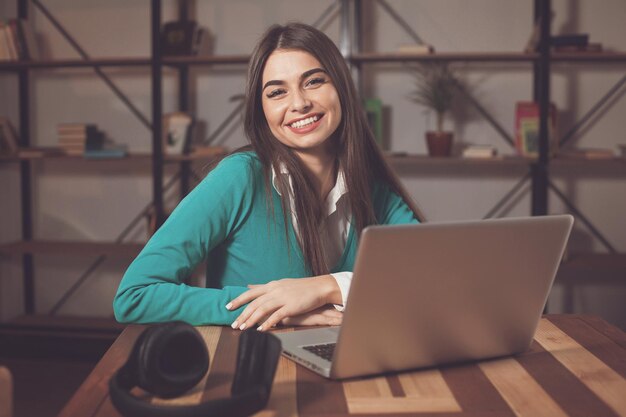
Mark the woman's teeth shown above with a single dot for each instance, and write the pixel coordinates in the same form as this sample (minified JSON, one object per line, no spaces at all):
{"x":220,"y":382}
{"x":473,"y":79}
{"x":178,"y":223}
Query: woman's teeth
{"x":304,"y":122}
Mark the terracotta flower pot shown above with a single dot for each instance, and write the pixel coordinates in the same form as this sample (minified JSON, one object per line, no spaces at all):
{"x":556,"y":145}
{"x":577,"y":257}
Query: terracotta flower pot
{"x":439,"y":143}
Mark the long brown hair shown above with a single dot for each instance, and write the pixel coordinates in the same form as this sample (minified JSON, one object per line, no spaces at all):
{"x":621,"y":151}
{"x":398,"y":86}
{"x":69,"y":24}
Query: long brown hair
{"x":357,"y":152}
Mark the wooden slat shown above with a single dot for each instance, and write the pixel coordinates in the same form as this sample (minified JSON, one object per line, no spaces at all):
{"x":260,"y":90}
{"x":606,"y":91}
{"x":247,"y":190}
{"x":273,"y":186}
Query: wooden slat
{"x":474,"y":392}
{"x":95,"y":390}
{"x":564,"y":387}
{"x":598,"y":344}
{"x":426,"y":392}
{"x":318,"y":396}
{"x":595,"y":374}
{"x":525,"y":396}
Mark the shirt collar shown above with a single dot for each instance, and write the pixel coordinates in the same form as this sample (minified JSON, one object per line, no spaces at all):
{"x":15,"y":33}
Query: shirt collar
{"x":335,"y":194}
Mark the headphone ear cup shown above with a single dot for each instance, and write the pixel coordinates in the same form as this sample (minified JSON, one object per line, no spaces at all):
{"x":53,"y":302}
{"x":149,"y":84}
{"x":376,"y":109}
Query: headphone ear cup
{"x":171,"y":359}
{"x":257,"y":358}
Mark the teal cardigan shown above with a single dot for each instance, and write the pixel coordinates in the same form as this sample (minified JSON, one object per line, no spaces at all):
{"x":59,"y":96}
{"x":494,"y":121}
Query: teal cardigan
{"x":226,"y":221}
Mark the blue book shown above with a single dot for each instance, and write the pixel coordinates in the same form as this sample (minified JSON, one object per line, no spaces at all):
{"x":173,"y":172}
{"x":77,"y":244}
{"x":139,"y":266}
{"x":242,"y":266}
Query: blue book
{"x":119,"y":151}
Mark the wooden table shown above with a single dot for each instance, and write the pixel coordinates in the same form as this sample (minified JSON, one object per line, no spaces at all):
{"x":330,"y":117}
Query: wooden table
{"x":576,"y":366}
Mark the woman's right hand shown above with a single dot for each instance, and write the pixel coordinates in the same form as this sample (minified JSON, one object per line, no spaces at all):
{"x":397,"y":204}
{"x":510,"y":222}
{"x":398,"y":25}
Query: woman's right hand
{"x":323,"y":316}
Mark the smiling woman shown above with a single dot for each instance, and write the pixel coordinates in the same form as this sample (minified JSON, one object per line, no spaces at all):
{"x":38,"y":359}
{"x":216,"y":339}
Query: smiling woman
{"x":278,"y":221}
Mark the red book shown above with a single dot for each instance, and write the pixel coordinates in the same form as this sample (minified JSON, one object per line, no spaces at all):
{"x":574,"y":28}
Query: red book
{"x":527,"y":128}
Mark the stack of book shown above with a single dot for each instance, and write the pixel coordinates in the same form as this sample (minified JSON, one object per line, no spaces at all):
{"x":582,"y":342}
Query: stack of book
{"x":17,"y":41}
{"x":480,"y":151}
{"x":77,"y":138}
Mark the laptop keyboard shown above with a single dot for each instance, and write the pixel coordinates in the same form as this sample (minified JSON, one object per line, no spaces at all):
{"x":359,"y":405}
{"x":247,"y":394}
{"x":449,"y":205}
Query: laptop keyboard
{"x":323,"y":351}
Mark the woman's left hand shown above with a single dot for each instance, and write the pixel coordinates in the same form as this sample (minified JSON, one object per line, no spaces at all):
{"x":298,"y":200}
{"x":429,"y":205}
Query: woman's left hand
{"x":276,"y":300}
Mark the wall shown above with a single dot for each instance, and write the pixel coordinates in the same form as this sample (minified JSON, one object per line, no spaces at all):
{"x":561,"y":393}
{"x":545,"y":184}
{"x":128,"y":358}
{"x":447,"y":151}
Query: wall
{"x":99,"y":203}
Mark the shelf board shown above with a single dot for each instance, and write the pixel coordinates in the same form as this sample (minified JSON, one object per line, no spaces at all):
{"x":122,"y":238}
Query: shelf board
{"x":74,"y":63}
{"x":565,"y":162}
{"x":609,"y":57}
{"x":206,"y":60}
{"x":205,"y":154}
{"x":595,"y":57}
{"x":77,"y":248}
{"x":445,"y":56}
{"x":413,"y":159}
{"x":593,"y":268}
{"x":123,"y":62}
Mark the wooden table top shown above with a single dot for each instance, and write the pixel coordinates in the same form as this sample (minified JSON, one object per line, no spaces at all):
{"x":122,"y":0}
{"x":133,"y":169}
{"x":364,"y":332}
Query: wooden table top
{"x":576,"y":366}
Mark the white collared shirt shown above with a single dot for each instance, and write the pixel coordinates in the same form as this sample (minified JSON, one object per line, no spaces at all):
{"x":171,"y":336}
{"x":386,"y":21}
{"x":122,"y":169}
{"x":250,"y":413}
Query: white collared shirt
{"x":335,"y":226}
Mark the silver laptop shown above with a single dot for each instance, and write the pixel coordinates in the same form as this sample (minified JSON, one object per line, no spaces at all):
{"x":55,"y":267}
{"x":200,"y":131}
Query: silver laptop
{"x":431,"y":294}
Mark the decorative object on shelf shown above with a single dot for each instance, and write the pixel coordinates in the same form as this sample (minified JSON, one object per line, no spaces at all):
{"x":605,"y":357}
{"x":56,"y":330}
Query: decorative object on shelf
{"x":435,"y":89}
{"x":480,"y":151}
{"x":77,"y":138}
{"x":40,"y":151}
{"x":416,"y":49}
{"x":184,"y":38}
{"x":9,"y":144}
{"x":587,"y":153}
{"x":527,"y":128}
{"x":577,"y":42}
{"x":176,"y":133}
{"x":374,"y":113}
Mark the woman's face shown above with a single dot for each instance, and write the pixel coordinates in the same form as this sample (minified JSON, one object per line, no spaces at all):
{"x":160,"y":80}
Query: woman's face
{"x":300,"y":102}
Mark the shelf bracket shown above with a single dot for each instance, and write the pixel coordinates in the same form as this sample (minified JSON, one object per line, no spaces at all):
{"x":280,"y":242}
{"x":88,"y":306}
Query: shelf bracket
{"x":609,"y":94}
{"x":403,"y":24}
{"x":582,"y":217}
{"x":507,"y":197}
{"x":96,"y":68}
{"x":91,"y":268}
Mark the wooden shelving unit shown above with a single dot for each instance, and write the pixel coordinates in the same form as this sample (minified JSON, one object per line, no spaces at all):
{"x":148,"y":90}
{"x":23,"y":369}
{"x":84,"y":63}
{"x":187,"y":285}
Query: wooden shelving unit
{"x":29,"y":246}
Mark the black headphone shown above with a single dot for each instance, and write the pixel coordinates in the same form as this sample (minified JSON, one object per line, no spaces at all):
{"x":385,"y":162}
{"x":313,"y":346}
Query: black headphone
{"x":171,"y":358}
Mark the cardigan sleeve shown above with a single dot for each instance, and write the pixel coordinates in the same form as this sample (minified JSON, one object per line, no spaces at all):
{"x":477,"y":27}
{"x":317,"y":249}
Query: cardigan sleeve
{"x":153,"y":288}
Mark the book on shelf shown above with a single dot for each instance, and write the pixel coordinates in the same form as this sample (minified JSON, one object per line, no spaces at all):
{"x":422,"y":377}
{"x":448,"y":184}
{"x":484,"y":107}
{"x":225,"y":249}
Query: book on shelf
{"x":176,"y":133}
{"x":480,"y":151}
{"x":108,"y":151}
{"x":527,"y":128}
{"x":17,"y":41}
{"x":374,"y":114}
{"x":9,"y":143}
{"x":587,"y":153}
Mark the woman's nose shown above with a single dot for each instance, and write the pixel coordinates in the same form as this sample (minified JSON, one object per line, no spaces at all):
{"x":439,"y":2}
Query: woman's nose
{"x":300,"y":103}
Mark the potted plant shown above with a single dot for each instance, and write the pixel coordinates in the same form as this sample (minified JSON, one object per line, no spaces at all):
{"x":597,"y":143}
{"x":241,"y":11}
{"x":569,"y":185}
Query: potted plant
{"x":435,"y":88}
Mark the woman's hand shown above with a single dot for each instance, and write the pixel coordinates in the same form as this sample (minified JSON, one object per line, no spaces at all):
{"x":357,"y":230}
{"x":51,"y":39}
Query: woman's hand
{"x":272,"y":302}
{"x":323,"y":316}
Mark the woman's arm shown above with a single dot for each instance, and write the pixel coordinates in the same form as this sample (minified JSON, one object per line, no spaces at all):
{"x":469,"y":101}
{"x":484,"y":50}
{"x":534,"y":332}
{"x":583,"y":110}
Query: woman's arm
{"x":153,"y":288}
{"x":272,"y":303}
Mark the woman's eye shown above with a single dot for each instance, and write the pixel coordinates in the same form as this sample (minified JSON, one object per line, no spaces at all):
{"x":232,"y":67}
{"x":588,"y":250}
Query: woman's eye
{"x":274,"y":93}
{"x":316,"y":81}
